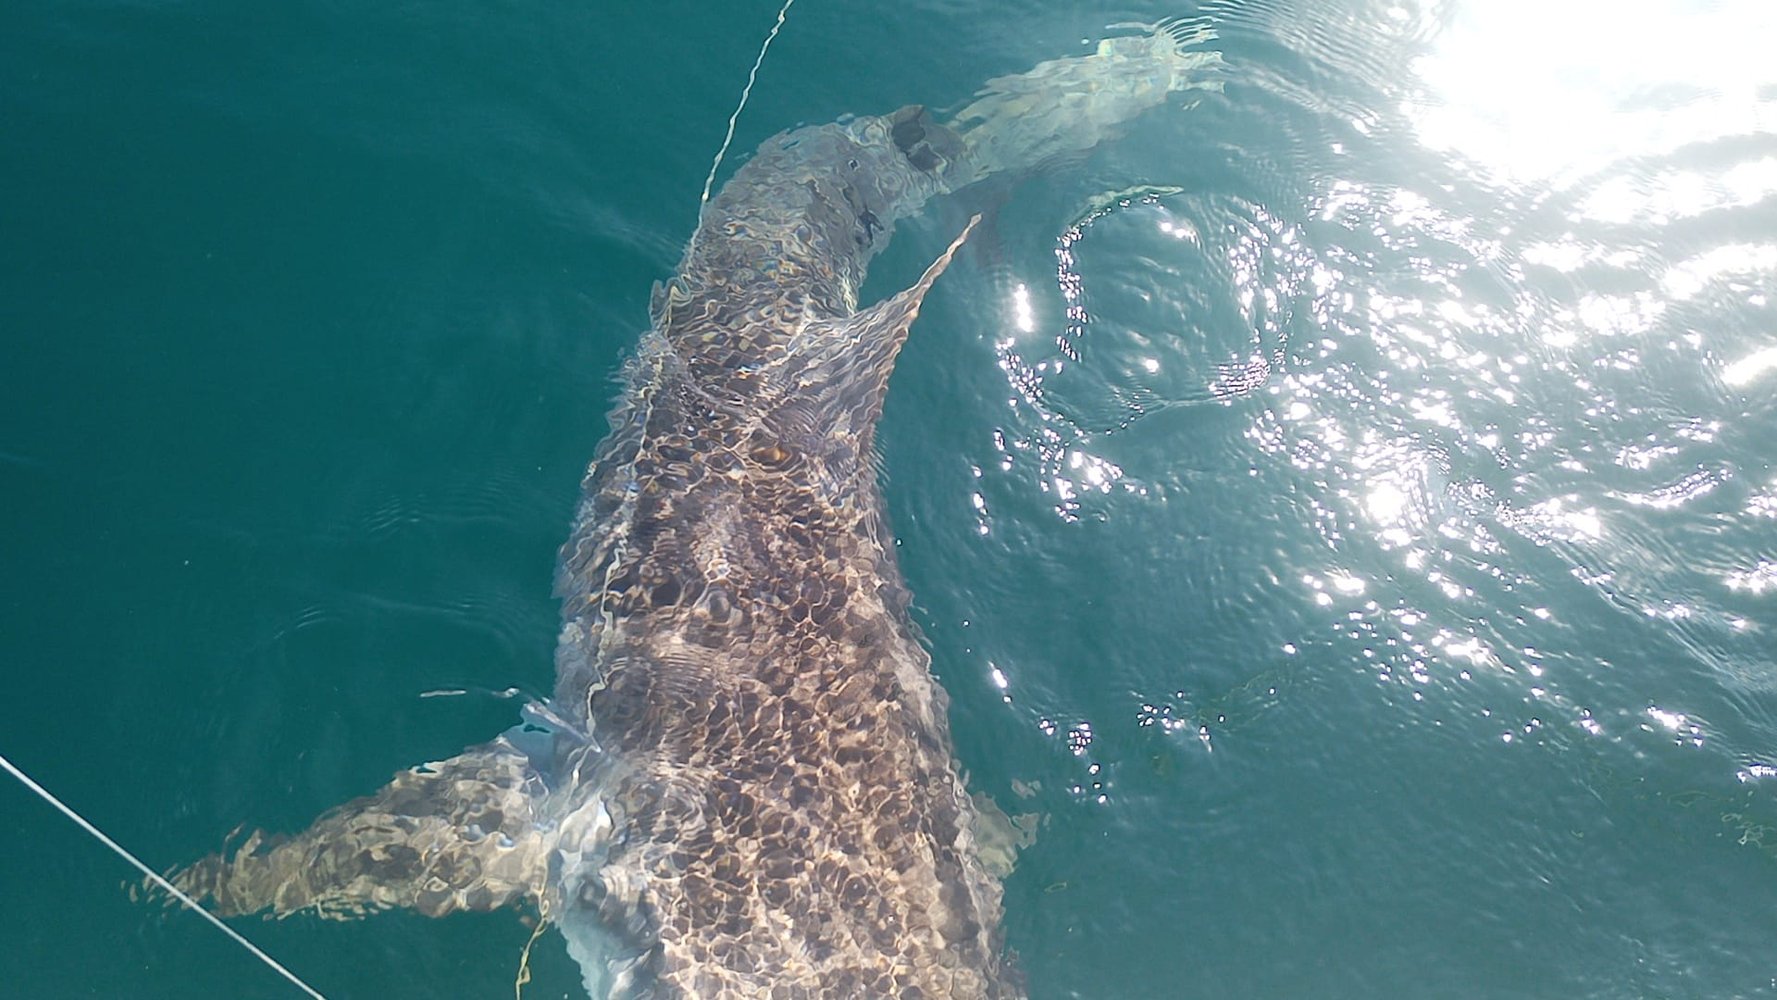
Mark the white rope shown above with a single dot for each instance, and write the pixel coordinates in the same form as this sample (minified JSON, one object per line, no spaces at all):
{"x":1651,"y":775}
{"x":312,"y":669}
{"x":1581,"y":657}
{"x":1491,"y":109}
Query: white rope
{"x":746,"y":91}
{"x":155,"y":878}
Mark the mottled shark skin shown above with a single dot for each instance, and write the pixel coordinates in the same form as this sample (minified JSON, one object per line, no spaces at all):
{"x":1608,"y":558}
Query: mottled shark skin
{"x":742,"y":785}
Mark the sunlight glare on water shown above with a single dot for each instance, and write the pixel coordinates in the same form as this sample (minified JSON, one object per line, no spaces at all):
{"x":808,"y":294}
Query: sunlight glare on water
{"x":1555,"y":91}
{"x":1477,"y":412}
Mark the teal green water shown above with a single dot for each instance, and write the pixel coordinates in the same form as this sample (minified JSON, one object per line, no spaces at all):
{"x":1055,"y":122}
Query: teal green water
{"x":1359,"y":548}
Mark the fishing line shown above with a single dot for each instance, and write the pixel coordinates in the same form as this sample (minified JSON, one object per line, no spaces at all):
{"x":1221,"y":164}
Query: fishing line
{"x":154,"y":877}
{"x":745,"y":92}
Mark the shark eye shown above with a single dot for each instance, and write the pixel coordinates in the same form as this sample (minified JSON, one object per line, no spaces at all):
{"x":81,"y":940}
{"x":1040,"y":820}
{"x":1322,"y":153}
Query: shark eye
{"x":853,"y":164}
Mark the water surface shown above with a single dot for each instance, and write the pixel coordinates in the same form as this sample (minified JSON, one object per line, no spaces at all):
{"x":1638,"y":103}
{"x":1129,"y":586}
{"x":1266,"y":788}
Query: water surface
{"x":1343,"y":510}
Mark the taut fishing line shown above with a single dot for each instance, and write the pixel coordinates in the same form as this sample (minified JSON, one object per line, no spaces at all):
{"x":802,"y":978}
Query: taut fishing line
{"x":752,"y":75}
{"x":155,"y":877}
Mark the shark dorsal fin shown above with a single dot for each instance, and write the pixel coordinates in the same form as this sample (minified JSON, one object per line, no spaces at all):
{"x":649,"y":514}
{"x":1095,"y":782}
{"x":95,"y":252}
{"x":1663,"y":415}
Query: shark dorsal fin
{"x":887,"y":321}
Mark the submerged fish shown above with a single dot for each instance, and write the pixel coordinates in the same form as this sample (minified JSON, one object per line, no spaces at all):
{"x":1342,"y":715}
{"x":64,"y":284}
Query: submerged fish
{"x":742,"y":785}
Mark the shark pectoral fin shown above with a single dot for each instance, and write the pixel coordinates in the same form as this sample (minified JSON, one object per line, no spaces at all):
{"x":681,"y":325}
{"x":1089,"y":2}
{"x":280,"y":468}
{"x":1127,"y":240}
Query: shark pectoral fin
{"x":454,"y":835}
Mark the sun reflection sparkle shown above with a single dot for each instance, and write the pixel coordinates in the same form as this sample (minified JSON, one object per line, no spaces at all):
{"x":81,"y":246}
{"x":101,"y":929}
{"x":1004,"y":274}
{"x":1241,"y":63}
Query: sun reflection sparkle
{"x":1750,"y":367}
{"x":1757,"y":580}
{"x":1023,"y":316}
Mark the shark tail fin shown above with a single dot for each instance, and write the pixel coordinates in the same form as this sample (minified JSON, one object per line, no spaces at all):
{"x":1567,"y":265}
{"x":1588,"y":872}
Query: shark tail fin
{"x":458,"y":834}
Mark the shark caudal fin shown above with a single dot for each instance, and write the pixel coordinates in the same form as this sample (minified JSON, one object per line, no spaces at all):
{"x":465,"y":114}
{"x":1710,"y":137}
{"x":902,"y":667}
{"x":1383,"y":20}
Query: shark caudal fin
{"x":459,"y":834}
{"x":1063,"y":107}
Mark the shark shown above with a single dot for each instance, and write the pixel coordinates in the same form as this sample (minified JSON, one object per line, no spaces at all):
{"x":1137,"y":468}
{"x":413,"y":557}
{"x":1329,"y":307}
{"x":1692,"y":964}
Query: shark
{"x":742,"y":784}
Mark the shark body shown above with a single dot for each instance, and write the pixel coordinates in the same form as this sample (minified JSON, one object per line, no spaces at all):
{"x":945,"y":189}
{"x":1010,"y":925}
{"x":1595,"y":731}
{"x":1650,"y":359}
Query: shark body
{"x":742,"y":785}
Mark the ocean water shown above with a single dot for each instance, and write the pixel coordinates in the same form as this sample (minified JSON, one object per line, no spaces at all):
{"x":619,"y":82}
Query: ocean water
{"x":1342,"y":511}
